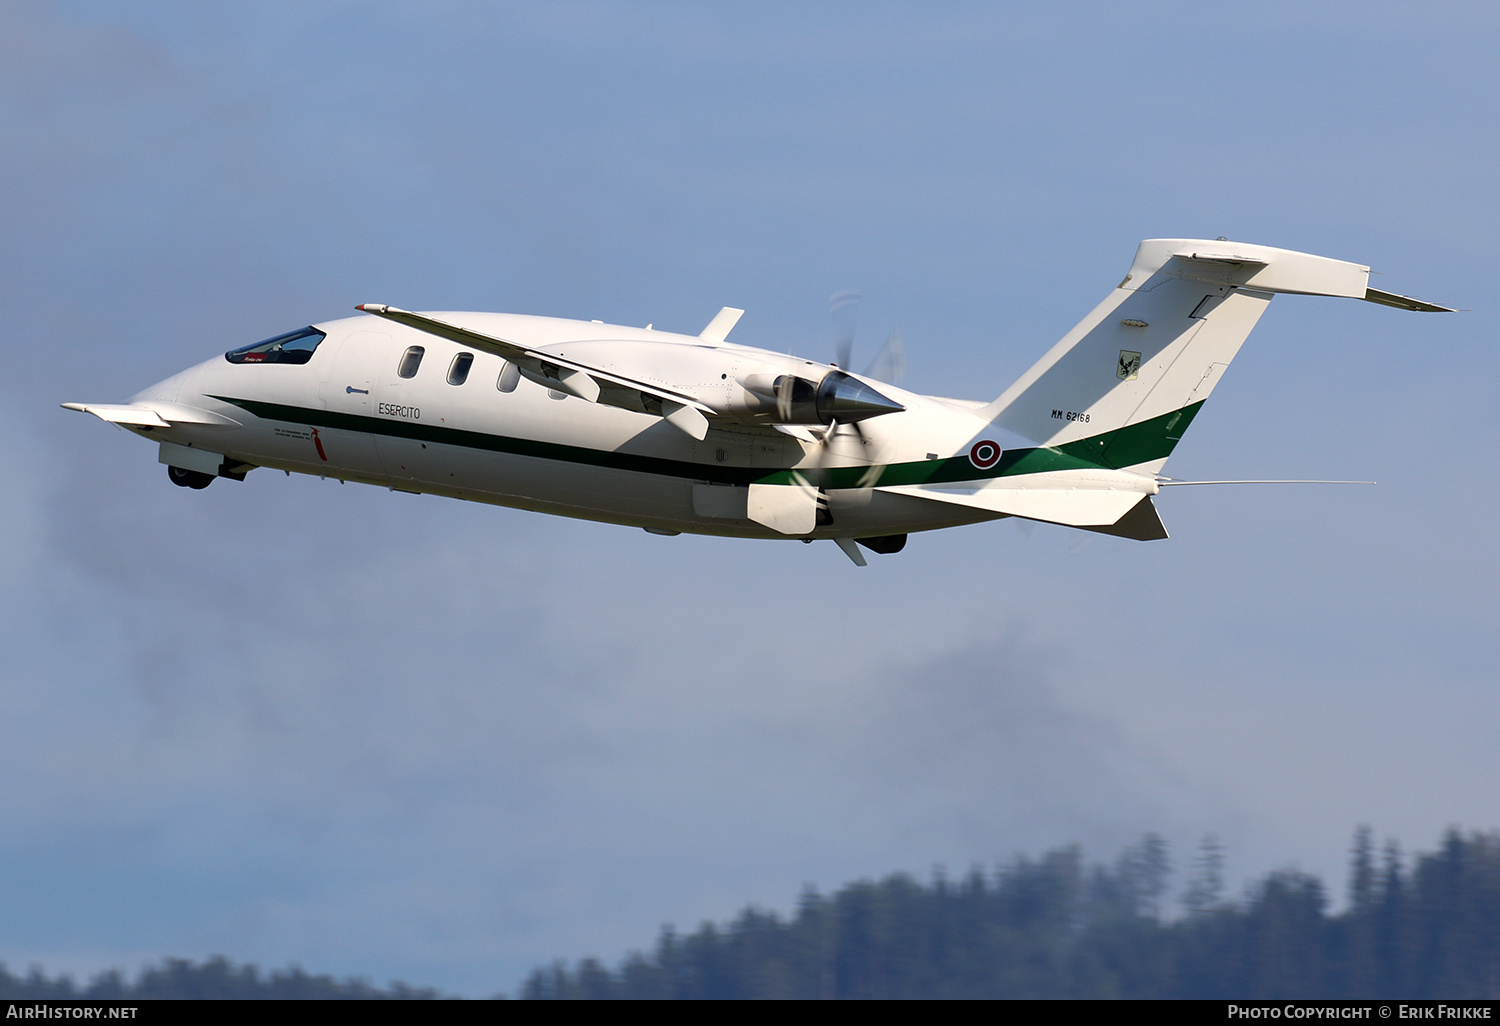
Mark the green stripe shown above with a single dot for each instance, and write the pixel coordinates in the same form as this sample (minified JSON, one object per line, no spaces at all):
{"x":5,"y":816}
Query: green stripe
{"x":420,"y":432}
{"x":1149,"y":440}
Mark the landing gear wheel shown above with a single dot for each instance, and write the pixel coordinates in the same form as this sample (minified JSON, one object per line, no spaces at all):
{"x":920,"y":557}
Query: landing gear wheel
{"x":189,"y":478}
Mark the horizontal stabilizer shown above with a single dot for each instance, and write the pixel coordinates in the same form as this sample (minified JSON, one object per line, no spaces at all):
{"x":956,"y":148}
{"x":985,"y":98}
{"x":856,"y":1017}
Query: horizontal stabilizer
{"x":1231,"y":258}
{"x":1239,"y":264}
{"x":1264,"y":268}
{"x":1404,"y":302}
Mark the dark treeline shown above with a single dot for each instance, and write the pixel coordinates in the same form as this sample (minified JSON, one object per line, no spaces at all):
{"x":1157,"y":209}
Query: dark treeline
{"x":1056,"y":928}
{"x":215,"y":978}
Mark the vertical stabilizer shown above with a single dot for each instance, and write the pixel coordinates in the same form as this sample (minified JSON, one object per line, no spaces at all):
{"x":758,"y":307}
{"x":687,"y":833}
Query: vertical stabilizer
{"x":1122,"y":386}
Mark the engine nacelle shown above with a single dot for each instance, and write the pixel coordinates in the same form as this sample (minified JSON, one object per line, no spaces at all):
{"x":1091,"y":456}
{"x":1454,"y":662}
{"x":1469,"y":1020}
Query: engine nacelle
{"x":789,"y":399}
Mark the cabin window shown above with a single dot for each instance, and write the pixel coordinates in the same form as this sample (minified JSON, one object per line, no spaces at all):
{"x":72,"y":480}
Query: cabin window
{"x":510,"y":377}
{"x":410,"y":361}
{"x":458,"y":370}
{"x":293,"y":347}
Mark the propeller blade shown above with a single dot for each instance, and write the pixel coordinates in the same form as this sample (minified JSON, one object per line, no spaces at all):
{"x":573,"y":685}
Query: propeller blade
{"x":825,"y":452}
{"x":825,"y":443}
{"x":784,"y":396}
{"x":889,"y":364}
{"x":843,"y":308}
{"x":872,"y":472}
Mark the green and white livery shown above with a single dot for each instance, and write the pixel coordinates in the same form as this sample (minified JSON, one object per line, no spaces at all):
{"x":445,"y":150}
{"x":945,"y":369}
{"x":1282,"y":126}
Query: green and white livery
{"x":675,"y":433}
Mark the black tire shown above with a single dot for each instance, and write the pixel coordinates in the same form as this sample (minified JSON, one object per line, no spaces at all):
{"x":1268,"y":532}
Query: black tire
{"x":189,"y":478}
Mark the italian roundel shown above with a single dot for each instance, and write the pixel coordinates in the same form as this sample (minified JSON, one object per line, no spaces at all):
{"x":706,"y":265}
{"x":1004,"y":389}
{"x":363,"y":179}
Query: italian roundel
{"x":985,"y":454}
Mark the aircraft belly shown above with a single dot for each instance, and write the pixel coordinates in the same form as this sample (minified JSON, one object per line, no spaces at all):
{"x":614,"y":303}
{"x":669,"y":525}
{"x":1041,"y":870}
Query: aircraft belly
{"x":634,"y":498}
{"x":887,"y":513}
{"x":501,"y":477}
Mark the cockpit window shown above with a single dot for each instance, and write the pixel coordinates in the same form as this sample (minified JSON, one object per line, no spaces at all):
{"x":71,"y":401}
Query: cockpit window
{"x":293,"y":347}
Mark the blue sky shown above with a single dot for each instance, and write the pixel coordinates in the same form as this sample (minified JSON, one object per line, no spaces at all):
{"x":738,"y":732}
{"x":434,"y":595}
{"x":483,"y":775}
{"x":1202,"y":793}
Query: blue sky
{"x":407,"y":737}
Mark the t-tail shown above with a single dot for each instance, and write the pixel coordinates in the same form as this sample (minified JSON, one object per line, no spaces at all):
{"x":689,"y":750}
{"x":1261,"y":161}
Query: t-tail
{"x":1120,"y":389}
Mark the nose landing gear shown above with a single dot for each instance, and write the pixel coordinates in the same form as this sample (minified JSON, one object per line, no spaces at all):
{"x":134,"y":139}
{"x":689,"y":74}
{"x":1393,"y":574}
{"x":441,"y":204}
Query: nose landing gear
{"x":189,"y":478}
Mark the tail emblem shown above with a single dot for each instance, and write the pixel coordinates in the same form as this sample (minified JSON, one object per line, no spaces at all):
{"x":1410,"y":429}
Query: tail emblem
{"x":1129,"y":367}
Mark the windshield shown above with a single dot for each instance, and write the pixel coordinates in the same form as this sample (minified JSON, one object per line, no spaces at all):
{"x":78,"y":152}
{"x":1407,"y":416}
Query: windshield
{"x":293,"y":347}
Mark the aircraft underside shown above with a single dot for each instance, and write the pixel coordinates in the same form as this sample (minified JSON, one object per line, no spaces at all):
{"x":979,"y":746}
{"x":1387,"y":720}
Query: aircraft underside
{"x":711,"y":501}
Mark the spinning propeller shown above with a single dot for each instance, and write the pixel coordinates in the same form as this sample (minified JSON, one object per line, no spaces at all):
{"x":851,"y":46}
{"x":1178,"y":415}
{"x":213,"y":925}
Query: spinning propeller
{"x":845,"y":399}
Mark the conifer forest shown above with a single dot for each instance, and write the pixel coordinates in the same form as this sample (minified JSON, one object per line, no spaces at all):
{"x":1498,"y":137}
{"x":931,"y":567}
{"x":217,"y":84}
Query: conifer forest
{"x":1056,"y":926}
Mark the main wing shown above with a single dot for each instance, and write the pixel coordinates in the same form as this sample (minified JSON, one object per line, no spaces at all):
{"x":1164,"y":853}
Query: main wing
{"x":681,"y":410}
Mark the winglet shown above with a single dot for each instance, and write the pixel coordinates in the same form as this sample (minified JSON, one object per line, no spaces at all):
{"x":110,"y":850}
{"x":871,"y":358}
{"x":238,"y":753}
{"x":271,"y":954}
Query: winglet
{"x":723,"y":323}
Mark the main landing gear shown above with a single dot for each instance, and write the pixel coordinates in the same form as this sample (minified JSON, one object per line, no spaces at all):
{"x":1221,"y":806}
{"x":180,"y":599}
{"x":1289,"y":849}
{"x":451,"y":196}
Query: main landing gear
{"x":189,"y":478}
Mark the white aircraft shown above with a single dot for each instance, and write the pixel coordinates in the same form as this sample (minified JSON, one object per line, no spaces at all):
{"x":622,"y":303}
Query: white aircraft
{"x":677,"y":433}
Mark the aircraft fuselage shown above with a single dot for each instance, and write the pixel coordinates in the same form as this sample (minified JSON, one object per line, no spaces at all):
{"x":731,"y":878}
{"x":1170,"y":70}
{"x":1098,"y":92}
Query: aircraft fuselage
{"x":347,"y":413}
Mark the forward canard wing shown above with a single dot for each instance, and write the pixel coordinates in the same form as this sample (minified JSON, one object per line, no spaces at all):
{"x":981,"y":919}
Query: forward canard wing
{"x":152,"y":414}
{"x":681,"y":410}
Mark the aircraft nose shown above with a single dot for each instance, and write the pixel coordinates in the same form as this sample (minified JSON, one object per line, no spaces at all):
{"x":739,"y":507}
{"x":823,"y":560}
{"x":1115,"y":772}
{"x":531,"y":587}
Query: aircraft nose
{"x":166,"y":390}
{"x":845,"y":398}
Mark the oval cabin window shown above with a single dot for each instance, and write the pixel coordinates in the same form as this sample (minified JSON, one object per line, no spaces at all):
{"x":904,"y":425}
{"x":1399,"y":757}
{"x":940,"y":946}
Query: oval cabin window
{"x":410,"y":361}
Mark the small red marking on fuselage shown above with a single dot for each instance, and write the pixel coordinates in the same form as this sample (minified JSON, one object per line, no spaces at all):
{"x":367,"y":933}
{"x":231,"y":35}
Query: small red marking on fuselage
{"x":319,"y":443}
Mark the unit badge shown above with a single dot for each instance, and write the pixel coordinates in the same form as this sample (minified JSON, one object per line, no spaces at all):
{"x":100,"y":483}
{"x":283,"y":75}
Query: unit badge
{"x":1129,"y":367}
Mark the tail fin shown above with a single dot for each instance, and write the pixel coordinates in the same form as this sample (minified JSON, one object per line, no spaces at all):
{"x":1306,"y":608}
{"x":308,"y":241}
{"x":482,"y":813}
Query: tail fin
{"x":1122,"y":386}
